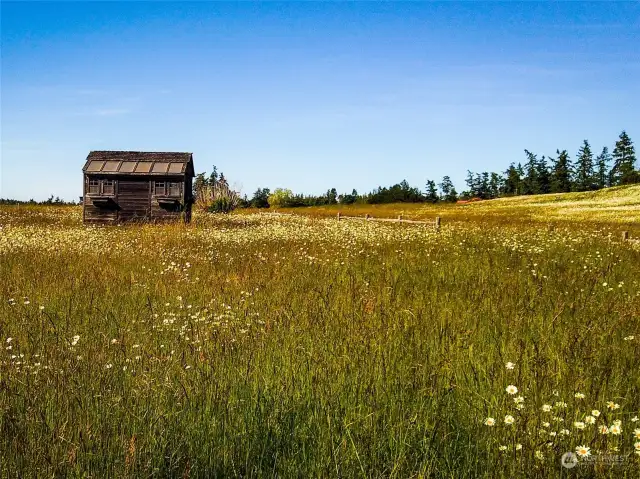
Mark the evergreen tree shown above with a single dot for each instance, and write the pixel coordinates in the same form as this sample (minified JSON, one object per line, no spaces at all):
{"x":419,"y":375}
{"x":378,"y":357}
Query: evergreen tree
{"x":199,"y":183}
{"x":624,"y":159}
{"x":332,"y":196}
{"x":543,"y":176}
{"x":495,"y":185}
{"x":213,"y":177}
{"x":484,"y":191}
{"x":521,"y":187}
{"x":561,"y":172}
{"x":449,"y":192}
{"x":220,"y":181}
{"x":512,"y":180}
{"x":602,"y":163}
{"x":530,"y":182}
{"x":472,"y":182}
{"x":432,"y":192}
{"x":261,"y":198}
{"x":584,"y":175}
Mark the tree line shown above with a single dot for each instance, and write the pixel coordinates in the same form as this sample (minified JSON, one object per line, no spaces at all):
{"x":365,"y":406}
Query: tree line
{"x":559,"y":174}
{"x":537,"y":175}
{"x":51,"y":201}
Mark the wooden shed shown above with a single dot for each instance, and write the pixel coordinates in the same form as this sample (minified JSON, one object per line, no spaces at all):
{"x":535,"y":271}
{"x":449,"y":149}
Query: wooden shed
{"x":122,"y":186}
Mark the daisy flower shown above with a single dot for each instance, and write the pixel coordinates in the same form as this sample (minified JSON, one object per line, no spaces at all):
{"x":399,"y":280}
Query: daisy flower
{"x":508,"y":419}
{"x":511,"y":389}
{"x":489,"y":421}
{"x":583,"y":451}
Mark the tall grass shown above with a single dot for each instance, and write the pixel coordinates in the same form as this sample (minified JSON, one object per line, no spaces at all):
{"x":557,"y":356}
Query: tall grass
{"x":261,"y":346}
{"x":617,"y":207}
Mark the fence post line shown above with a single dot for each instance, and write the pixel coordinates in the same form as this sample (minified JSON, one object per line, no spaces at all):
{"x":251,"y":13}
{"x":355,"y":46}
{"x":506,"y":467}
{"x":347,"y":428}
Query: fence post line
{"x":437,"y":222}
{"x":338,"y":216}
{"x":625,"y":235}
{"x":400,"y":218}
{"x":366,"y":216}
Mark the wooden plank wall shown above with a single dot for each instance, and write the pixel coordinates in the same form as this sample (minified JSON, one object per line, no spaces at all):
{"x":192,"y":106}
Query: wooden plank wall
{"x":135,"y":202}
{"x":133,"y":199}
{"x":95,"y":214}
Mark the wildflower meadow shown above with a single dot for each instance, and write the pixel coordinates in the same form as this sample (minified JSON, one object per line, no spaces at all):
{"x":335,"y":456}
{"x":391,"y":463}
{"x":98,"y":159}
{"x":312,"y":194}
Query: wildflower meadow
{"x":262,"y":345}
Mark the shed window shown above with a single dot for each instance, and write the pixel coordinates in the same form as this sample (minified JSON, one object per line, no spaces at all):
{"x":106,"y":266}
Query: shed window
{"x":94,"y":187}
{"x":174,"y":189}
{"x":160,"y":188}
{"x":108,"y":187}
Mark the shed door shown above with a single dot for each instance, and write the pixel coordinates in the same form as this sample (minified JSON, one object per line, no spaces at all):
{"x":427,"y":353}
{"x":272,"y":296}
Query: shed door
{"x":133,"y":199}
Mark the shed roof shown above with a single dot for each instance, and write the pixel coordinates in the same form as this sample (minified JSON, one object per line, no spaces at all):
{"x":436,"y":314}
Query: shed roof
{"x":139,"y":163}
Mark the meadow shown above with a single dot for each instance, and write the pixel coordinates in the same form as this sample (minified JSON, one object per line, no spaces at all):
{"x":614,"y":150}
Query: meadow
{"x":261,"y":345}
{"x":617,"y":207}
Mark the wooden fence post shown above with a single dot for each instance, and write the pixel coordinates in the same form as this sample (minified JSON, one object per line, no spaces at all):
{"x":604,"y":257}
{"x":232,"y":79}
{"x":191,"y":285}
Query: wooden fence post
{"x":400,"y":218}
{"x":437,"y":222}
{"x":338,"y":216}
{"x":366,"y":217}
{"x":625,"y":235}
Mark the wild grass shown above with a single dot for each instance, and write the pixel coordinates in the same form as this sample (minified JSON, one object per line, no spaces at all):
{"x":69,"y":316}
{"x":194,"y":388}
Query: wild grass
{"x":279,"y":346}
{"x":617,"y":207}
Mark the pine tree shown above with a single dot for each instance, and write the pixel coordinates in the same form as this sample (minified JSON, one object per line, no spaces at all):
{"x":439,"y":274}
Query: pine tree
{"x":543,"y":176}
{"x":332,"y":196}
{"x":530,"y":182}
{"x":561,"y":172}
{"x":484,"y":192}
{"x":512,"y":180}
{"x":213,"y":177}
{"x":432,"y":192}
{"x":449,"y":192}
{"x":602,"y":163}
{"x":624,"y":159}
{"x":199,"y":183}
{"x":495,"y":185}
{"x":473,"y":183}
{"x":584,"y":176}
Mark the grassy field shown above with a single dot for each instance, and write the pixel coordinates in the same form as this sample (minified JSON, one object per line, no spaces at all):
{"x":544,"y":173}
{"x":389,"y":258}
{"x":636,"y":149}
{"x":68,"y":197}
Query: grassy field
{"x":259,"y":345}
{"x":617,"y":207}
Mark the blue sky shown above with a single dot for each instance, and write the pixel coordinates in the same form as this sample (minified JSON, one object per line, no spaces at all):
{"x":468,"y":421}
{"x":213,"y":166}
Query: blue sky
{"x":311,"y":96}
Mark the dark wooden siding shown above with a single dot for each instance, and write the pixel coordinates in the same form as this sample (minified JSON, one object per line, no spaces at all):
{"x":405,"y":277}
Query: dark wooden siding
{"x":164,"y":212}
{"x":133,"y":199}
{"x":95,"y":214}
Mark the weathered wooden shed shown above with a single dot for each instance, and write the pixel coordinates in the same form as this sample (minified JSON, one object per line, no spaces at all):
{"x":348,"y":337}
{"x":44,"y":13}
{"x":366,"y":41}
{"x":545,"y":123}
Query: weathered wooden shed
{"x":122,"y":186}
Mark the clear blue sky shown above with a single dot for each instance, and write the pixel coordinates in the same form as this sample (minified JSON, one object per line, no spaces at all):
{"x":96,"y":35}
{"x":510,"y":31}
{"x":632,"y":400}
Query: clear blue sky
{"x":311,"y":96}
